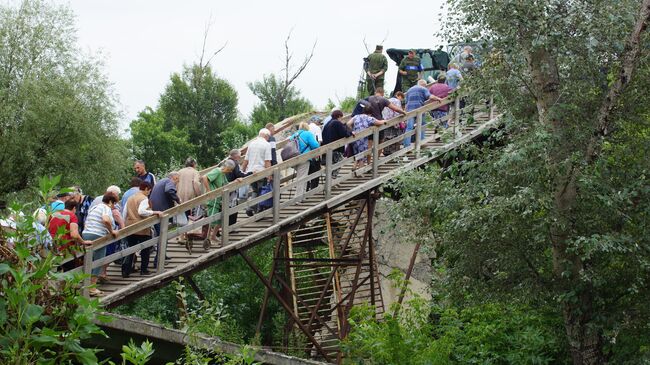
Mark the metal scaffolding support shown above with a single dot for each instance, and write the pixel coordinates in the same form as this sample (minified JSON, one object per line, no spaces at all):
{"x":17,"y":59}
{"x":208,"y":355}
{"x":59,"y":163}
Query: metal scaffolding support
{"x":325,"y":266}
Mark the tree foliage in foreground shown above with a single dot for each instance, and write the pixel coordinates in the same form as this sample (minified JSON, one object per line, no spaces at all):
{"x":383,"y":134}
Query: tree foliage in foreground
{"x":560,"y":215}
{"x":480,"y":334}
{"x":57,"y":111}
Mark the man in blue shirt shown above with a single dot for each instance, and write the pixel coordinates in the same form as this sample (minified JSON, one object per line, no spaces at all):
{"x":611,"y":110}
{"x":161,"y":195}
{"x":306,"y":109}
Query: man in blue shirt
{"x":416,"y":97}
{"x":141,"y":172}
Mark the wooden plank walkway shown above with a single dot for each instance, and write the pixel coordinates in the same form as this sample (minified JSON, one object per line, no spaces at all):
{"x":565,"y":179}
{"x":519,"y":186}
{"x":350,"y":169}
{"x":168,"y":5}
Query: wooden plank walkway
{"x":254,"y":230}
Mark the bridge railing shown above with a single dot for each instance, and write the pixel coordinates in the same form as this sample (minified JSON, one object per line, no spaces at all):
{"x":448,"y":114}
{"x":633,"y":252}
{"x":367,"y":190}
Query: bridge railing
{"x":283,"y":193}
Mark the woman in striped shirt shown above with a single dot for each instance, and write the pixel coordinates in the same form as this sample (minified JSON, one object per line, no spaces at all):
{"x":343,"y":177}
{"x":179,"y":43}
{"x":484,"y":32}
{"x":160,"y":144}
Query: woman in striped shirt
{"x":99,"y":223}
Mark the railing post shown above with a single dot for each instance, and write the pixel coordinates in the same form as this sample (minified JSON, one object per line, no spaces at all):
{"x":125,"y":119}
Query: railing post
{"x":491,"y":107}
{"x":375,"y":152}
{"x":328,"y":174}
{"x":88,"y":267}
{"x":276,"y":196}
{"x":418,"y":130}
{"x":225,"y":219}
{"x":456,"y":114}
{"x":162,"y":244}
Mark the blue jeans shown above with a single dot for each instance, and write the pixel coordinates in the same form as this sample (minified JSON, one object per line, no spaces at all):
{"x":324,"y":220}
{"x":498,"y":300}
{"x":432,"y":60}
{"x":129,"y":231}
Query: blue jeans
{"x":409,"y":127}
{"x":97,"y":254}
{"x":437,"y":114}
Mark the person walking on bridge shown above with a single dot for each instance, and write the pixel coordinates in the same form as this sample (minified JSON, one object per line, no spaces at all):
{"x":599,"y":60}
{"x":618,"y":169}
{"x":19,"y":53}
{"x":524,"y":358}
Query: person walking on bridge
{"x":306,"y":142}
{"x":99,"y":223}
{"x":258,"y":158}
{"x":141,"y":171}
{"x":416,"y":97}
{"x":333,"y":131}
{"x":137,"y":209}
{"x":189,"y":182}
{"x":164,"y":196}
{"x":377,"y":104}
{"x":359,"y":123}
{"x":441,"y":90}
{"x":217,"y":178}
{"x":235,"y":174}
{"x":274,"y":156}
{"x":377,"y":66}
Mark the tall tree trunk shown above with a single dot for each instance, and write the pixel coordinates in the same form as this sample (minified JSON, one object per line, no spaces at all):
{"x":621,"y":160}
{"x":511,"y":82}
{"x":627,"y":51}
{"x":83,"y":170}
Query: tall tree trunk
{"x":585,"y":343}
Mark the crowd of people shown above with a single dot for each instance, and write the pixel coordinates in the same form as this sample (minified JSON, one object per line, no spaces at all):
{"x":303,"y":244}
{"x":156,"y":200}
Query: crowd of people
{"x":76,"y":220}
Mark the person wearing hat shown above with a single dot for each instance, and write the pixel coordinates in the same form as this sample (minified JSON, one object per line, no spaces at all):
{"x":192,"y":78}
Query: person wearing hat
{"x":377,"y":66}
{"x":410,"y":69}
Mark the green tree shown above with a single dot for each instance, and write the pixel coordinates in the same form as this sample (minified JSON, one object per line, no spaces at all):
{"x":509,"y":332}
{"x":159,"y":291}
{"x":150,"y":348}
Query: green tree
{"x":560,"y":215}
{"x":205,"y":106}
{"x":277,"y":101}
{"x":160,"y":148}
{"x":57,"y":109}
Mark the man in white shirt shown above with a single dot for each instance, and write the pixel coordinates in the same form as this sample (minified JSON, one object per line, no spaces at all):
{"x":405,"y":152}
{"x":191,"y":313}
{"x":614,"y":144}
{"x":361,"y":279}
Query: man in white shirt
{"x":258,"y":157}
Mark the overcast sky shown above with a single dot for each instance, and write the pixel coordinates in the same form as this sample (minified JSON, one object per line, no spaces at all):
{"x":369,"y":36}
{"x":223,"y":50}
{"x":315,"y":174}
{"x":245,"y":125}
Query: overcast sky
{"x":143,"y":42}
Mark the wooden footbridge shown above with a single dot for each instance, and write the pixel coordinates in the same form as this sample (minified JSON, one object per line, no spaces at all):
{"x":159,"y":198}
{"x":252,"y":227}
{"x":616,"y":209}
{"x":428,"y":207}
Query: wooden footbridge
{"x":324,"y":253}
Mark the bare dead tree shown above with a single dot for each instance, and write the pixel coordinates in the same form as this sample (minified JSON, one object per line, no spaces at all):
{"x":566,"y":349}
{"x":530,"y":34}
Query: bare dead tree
{"x":291,"y":72}
{"x":206,"y":32}
{"x":289,"y":75}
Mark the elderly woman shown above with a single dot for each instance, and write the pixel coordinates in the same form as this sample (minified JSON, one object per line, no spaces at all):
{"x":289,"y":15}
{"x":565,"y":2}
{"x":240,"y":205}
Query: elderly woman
{"x":359,"y":123}
{"x":306,"y":142}
{"x":216,"y":179}
{"x":99,"y":223}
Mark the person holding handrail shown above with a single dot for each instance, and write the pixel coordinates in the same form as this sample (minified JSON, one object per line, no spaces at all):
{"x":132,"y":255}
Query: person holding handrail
{"x":332,"y":132}
{"x":137,"y":209}
{"x":306,"y":142}
{"x":217,"y":178}
{"x":99,"y":223}
{"x":358,"y":123}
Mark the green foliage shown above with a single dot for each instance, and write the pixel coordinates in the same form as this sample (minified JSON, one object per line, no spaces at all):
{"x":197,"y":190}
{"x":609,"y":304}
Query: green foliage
{"x":160,"y":148}
{"x":43,"y":315}
{"x":58,"y":113}
{"x":348,"y":104}
{"x":203,"y":105}
{"x":482,"y":334}
{"x":277,"y":101}
{"x":233,"y":294}
{"x":136,"y":355}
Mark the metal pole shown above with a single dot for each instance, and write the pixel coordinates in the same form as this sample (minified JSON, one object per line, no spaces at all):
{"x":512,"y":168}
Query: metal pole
{"x":418,"y":130}
{"x":162,"y":244}
{"x":328,"y":174}
{"x":375,"y":153}
{"x":276,"y":196}
{"x":225,"y":211}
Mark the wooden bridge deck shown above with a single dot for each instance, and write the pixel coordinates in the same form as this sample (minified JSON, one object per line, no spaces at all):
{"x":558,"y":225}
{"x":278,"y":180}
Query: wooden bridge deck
{"x":250,"y":231}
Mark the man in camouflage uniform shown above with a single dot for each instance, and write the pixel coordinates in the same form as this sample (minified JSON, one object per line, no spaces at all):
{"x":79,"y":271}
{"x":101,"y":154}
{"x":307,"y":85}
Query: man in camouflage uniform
{"x":377,"y":66}
{"x":410,"y":69}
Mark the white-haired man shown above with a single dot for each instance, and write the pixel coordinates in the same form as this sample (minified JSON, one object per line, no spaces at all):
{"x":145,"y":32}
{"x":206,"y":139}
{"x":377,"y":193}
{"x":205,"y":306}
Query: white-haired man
{"x":416,"y":96}
{"x":258,"y":157}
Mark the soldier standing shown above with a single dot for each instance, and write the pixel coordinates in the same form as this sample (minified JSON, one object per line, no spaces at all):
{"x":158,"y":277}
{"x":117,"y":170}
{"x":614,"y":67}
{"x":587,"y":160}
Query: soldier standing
{"x":410,"y":69}
{"x":377,"y":66}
